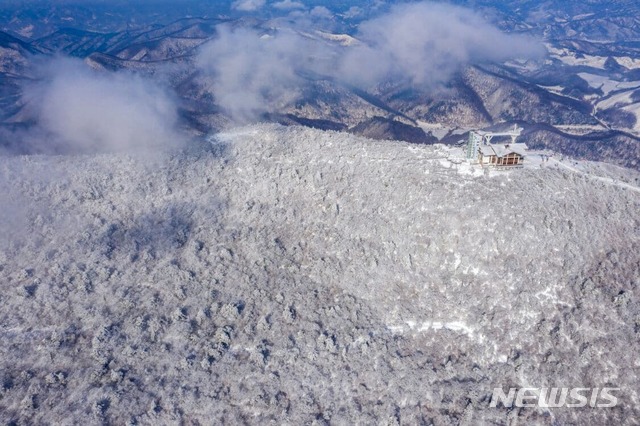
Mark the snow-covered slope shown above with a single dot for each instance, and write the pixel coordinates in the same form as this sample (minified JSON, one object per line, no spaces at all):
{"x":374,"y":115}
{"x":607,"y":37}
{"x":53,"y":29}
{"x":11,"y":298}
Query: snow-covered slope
{"x":295,"y":276}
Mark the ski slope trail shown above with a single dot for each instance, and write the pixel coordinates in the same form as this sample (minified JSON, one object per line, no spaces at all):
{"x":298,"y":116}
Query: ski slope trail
{"x":607,"y":180}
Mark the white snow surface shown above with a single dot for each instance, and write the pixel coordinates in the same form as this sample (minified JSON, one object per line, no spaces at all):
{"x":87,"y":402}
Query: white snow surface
{"x":570,"y":57}
{"x":342,"y":39}
{"x":606,"y":84}
{"x":293,"y":276}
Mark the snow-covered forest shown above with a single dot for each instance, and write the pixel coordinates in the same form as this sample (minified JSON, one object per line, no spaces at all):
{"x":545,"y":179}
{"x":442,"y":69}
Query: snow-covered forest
{"x":294,"y":276}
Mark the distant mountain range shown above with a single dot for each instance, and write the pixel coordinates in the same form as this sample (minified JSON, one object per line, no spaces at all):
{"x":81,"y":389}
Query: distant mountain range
{"x":583,"y":99}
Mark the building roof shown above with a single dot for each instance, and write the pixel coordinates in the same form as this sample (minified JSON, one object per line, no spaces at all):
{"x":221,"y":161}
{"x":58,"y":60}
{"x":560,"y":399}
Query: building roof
{"x":486,"y":150}
{"x":501,"y":150}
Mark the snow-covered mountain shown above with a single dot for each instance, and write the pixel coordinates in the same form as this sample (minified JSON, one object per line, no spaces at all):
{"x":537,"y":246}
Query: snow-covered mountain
{"x":297,"y":276}
{"x":581,"y":98}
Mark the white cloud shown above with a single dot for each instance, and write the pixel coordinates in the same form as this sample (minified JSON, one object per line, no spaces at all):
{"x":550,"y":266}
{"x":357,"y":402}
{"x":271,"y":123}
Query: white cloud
{"x":426,"y":43}
{"x":248,"y":5}
{"x":353,"y":12}
{"x":321,"y":12}
{"x":80,"y":110}
{"x":255,"y":73}
{"x":422,"y":44}
{"x":289,"y":5}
